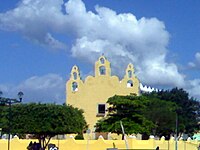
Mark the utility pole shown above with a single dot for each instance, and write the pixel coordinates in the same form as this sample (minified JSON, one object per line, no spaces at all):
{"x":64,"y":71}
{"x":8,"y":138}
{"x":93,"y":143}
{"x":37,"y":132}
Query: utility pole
{"x":123,"y":134}
{"x":176,"y":142}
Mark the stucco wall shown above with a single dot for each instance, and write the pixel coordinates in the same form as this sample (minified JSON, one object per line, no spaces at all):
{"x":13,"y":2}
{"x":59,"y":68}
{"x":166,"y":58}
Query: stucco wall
{"x":97,"y":89}
{"x":101,"y":144}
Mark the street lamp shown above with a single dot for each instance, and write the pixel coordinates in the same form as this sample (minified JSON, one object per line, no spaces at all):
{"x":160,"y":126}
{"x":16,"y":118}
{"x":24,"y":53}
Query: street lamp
{"x":9,"y":102}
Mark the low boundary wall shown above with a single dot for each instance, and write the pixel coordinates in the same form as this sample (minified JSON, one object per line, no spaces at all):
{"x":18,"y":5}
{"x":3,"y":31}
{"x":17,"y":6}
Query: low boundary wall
{"x":101,"y":144}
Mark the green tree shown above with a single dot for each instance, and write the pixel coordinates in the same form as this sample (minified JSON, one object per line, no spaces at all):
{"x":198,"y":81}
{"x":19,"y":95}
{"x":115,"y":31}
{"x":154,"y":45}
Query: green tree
{"x":44,"y":120}
{"x":152,"y":113}
{"x":188,"y":109}
{"x":127,"y":109}
{"x":162,"y":113}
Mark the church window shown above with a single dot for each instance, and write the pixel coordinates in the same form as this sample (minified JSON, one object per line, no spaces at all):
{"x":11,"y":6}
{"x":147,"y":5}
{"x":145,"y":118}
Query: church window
{"x":102,"y":70}
{"x":102,"y":60}
{"x":74,"y":86}
{"x":129,"y":83}
{"x":101,"y":109}
{"x":75,"y":75}
{"x":130,"y":74}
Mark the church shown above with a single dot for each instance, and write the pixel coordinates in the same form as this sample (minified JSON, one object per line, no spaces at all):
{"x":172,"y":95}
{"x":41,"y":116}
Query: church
{"x":92,"y":94}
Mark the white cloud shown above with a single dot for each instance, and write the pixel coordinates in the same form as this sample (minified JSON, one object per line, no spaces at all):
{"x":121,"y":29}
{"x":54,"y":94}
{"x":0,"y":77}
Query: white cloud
{"x":194,"y":88}
{"x":53,"y":43}
{"x":47,"y":88}
{"x":197,"y":56}
{"x":191,"y":65}
{"x":196,"y":63}
{"x":121,"y":37}
{"x":36,"y":20}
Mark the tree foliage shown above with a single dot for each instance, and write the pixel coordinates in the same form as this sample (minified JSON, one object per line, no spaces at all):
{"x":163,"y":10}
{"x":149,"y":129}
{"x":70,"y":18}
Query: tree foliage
{"x":163,"y":114}
{"x":153,"y":113}
{"x":127,"y":109}
{"x":188,"y":110}
{"x":43,"y":120}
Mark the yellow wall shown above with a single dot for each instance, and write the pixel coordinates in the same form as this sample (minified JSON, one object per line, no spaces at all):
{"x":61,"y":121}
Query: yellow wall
{"x":101,"y":144}
{"x":97,"y":89}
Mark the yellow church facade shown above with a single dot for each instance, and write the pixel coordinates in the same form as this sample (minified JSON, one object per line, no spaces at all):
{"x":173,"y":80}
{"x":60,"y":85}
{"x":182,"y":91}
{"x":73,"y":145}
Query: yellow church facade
{"x":92,"y":94}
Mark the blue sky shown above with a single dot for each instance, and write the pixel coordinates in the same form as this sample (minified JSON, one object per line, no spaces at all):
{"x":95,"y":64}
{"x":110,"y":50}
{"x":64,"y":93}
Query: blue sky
{"x":40,"y":41}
